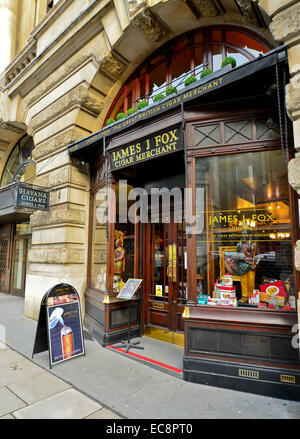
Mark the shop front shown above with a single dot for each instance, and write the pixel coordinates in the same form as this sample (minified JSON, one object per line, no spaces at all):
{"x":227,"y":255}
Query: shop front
{"x":191,"y":195}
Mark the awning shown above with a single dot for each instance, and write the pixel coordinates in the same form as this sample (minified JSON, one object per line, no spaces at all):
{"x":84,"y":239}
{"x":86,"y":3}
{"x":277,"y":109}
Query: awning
{"x":19,"y":200}
{"x":218,"y":81}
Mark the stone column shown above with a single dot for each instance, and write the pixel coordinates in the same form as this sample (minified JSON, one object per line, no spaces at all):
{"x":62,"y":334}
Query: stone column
{"x":8,"y":26}
{"x":285,"y":27}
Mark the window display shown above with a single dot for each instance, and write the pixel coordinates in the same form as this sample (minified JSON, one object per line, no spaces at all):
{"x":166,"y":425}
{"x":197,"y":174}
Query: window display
{"x":243,"y":244}
{"x":99,"y":246}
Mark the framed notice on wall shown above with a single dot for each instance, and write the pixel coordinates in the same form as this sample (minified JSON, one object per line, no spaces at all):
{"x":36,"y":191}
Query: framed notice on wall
{"x":129,"y":288}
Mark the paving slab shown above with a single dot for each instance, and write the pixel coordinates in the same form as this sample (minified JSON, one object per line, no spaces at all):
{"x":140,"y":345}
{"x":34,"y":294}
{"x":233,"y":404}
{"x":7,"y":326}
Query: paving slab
{"x":18,"y":370}
{"x":8,"y":356}
{"x":9,"y":402}
{"x":69,"y":404}
{"x":103,"y":414}
{"x":38,"y":387}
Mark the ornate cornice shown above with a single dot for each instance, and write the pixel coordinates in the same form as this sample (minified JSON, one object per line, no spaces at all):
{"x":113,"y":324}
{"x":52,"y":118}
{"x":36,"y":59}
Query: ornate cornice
{"x":25,"y":57}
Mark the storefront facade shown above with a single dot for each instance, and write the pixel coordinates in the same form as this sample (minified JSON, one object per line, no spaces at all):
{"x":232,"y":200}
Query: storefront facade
{"x":223,"y":148}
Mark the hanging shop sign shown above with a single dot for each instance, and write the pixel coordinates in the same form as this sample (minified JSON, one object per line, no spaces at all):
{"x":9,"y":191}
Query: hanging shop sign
{"x":59,"y":327}
{"x":28,"y":196}
{"x":160,"y":144}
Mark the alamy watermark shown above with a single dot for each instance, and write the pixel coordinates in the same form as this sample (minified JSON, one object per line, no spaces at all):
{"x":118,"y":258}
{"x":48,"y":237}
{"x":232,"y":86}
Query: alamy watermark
{"x":152,"y":206}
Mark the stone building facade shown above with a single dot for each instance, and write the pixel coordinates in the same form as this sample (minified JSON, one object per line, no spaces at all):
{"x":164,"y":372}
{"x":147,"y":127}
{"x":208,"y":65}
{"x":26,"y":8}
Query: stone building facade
{"x":64,"y":63}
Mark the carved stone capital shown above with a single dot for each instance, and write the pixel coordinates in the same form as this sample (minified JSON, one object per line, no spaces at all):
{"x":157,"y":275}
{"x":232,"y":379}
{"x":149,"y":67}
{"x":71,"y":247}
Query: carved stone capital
{"x":112,"y":66}
{"x":247,"y":11}
{"x":150,"y":26}
{"x":205,"y":8}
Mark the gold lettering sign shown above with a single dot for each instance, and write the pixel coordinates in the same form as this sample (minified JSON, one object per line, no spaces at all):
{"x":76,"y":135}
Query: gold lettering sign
{"x":148,"y":148}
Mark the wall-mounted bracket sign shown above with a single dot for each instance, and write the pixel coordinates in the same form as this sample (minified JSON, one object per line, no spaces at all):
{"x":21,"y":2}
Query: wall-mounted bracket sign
{"x":160,"y":144}
{"x":32,"y":197}
{"x":59,"y":328}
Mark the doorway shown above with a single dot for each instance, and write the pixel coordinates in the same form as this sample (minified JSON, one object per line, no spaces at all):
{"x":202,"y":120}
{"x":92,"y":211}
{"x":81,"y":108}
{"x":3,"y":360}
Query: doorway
{"x":20,"y":264}
{"x":165,"y":268}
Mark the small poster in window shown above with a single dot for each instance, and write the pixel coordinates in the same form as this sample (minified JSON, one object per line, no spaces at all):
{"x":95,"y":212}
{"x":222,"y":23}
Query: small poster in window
{"x":158,"y":290}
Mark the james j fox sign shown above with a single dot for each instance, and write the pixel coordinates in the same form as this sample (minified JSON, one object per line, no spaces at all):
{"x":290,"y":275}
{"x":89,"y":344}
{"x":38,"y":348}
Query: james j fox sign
{"x":160,"y":144}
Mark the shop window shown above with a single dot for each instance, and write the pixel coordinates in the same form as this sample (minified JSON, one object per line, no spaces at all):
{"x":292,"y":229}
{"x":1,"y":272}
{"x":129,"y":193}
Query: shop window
{"x":244,"y":228}
{"x":124,"y":238}
{"x":99,"y":241}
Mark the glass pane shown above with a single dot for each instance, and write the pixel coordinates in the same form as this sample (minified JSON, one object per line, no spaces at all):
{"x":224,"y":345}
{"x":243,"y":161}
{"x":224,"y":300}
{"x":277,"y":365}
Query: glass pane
{"x":267,"y":129}
{"x":119,"y":104}
{"x":124,"y":237}
{"x":23,"y":229}
{"x":237,"y":132}
{"x":217,"y":57}
{"x":246,"y":42}
{"x":199,"y":60}
{"x":244,"y":226}
{"x":240,"y":58}
{"x":181,"y":65}
{"x":207,"y":135}
{"x":142,"y":85}
{"x":182,"y":263}
{"x":99,"y":243}
{"x":217,"y":35}
{"x":199,"y":37}
{"x":160,"y":257}
{"x":157,"y":79}
{"x":18,"y":264}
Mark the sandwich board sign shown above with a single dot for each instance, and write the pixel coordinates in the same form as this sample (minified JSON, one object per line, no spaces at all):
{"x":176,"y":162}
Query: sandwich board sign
{"x":59,"y":328}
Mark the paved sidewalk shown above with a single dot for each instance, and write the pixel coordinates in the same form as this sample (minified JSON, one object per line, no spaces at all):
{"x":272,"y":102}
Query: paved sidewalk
{"x":108,"y":384}
{"x":27,"y":391}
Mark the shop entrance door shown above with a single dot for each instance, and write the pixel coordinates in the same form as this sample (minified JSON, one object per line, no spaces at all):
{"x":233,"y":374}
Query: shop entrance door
{"x":165,"y":274}
{"x":19,"y":264}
